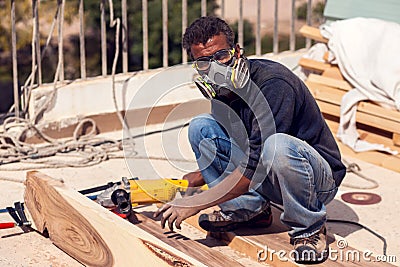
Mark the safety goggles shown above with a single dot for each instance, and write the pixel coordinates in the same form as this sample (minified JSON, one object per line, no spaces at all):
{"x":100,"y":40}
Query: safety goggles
{"x":223,"y":56}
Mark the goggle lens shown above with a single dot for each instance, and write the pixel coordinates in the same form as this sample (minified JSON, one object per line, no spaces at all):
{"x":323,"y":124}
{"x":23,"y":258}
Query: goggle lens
{"x":222,"y":56}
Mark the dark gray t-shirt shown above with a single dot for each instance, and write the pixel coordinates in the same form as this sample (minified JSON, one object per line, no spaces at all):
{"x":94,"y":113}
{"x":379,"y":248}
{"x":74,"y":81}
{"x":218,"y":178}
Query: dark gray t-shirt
{"x":276,"y":101}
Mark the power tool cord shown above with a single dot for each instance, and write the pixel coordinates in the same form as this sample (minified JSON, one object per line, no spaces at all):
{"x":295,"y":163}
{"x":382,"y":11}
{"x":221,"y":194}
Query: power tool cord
{"x":348,"y":222}
{"x":157,"y":131}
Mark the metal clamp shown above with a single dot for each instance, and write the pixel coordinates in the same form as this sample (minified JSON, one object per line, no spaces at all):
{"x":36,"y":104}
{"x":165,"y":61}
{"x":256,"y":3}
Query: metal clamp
{"x":18,"y":214}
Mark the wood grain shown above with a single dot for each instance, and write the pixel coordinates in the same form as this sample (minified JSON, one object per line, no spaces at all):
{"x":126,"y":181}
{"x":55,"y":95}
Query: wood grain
{"x":313,"y":65}
{"x":90,"y":233}
{"x":202,"y":253}
{"x":313,"y":33}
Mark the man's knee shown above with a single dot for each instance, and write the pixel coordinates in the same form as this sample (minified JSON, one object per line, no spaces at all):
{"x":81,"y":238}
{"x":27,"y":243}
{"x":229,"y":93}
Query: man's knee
{"x":201,"y":127}
{"x":277,"y":151}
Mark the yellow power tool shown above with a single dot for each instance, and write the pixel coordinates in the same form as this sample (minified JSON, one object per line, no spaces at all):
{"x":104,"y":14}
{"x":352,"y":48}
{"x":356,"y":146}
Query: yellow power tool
{"x":135,"y":192}
{"x":153,"y":191}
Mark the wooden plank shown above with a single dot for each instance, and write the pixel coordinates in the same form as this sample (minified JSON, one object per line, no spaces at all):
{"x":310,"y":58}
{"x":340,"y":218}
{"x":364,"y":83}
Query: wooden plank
{"x":368,"y":119}
{"x":313,"y":64}
{"x":190,"y":247}
{"x":329,"y":108}
{"x":90,"y":233}
{"x":396,"y":139}
{"x":381,"y":159}
{"x":367,"y":112}
{"x":325,"y":93}
{"x":365,"y":135}
{"x":313,"y":33}
{"x":378,"y":122}
{"x":272,"y":246}
{"x":333,"y":72}
{"x":254,"y":250}
{"x":344,"y":85}
{"x":374,"y":109}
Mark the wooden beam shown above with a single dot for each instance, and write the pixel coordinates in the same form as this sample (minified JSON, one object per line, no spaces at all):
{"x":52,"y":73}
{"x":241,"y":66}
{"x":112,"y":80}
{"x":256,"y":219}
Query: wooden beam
{"x":313,"y":64}
{"x":396,"y":139}
{"x":381,"y":159}
{"x":374,"y":109}
{"x":333,"y":72}
{"x":344,"y":85}
{"x":272,"y":246}
{"x":190,"y":247}
{"x":255,"y":250}
{"x":367,"y":112}
{"x":313,"y":33}
{"x":364,"y":118}
{"x":365,"y":135}
{"x":90,"y":233}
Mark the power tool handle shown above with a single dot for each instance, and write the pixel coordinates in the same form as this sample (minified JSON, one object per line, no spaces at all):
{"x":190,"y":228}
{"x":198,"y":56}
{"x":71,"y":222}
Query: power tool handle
{"x":7,"y":225}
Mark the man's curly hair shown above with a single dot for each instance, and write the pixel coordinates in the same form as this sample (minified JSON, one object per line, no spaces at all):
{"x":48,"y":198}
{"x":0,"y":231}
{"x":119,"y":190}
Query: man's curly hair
{"x":202,"y":29}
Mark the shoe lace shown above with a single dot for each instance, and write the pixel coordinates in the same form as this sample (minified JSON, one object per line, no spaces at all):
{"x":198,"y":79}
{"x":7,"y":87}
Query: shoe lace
{"x":218,"y":216}
{"x":312,"y":240}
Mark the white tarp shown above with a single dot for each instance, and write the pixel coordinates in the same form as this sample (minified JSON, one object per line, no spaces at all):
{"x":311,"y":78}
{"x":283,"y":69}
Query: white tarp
{"x":367,"y":52}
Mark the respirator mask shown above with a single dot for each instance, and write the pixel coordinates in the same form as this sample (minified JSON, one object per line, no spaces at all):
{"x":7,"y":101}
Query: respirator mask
{"x":221,"y":73}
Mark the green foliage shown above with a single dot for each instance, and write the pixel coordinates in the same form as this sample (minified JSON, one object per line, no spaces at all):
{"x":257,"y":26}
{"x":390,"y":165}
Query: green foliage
{"x":317,"y":11}
{"x":92,"y":34}
{"x":155,"y":31}
{"x":135,"y":29}
{"x":23,"y":21}
{"x":248,"y":36}
{"x":301,"y":11}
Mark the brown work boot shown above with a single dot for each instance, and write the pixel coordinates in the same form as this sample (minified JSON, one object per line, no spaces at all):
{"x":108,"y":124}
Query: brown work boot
{"x":312,"y":249}
{"x":220,"y":222}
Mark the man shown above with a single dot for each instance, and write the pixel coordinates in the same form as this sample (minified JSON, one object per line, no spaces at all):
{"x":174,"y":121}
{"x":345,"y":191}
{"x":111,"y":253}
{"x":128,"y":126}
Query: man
{"x":265,"y":140}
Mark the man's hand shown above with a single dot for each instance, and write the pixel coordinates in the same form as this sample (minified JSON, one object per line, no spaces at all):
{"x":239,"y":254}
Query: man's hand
{"x":195,"y":180}
{"x":175,"y":211}
{"x":178,"y":210}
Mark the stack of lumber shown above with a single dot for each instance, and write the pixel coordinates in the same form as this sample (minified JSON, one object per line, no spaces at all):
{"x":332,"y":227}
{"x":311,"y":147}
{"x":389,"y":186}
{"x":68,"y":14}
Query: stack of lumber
{"x":375,"y":124}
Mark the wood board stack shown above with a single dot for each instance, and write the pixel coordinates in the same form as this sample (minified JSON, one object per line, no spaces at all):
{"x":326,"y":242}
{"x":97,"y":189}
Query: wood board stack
{"x":375,"y":124}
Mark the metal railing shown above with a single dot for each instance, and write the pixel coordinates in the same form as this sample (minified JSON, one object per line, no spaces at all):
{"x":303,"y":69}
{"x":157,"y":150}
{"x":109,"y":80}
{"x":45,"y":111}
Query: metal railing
{"x":35,"y":79}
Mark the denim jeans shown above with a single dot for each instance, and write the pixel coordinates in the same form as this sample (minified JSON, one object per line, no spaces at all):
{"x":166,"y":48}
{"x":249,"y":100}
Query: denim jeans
{"x":298,"y":177}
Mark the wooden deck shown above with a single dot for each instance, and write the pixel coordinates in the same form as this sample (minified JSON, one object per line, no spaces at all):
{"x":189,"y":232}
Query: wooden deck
{"x":272,"y":246}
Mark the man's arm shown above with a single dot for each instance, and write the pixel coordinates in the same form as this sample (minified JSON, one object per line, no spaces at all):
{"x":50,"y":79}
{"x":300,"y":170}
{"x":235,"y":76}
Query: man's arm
{"x":195,"y":180}
{"x":178,"y":210}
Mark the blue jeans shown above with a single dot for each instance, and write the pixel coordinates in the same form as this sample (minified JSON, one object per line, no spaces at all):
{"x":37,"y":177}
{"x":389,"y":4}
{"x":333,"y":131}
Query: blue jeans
{"x":298,"y":177}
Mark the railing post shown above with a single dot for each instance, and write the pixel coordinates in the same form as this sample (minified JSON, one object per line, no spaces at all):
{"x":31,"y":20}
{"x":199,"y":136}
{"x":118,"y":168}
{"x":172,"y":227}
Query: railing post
{"x":276,"y":36}
{"x":258,"y":29}
{"x":165,"y":32}
{"x":309,"y":10}
{"x":203,"y":8}
{"x":124,"y":36}
{"x":240,"y":24}
{"x":103,"y":39}
{"x":292,"y":45}
{"x":82,"y":39}
{"x":61,"y":40}
{"x":14,"y":59}
{"x":145,"y":36}
{"x":223,"y":9}
{"x":37,"y":43}
{"x":36,"y":62}
{"x":184,"y":26}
